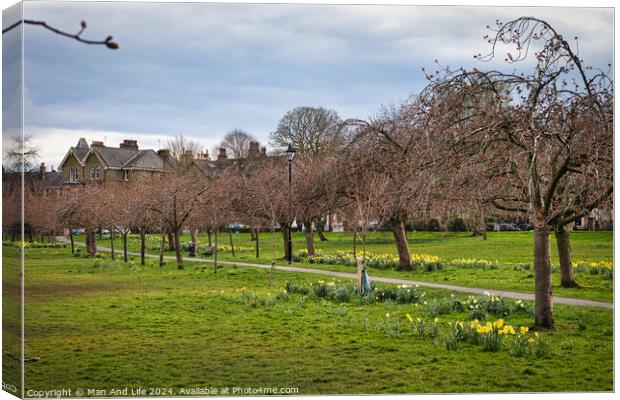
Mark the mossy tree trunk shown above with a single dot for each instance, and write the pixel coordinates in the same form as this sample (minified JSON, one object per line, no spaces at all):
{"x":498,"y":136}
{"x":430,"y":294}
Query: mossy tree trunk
{"x":567,"y":274}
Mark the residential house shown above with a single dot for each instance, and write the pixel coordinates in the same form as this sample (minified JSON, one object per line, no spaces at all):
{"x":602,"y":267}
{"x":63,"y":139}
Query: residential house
{"x":98,"y":163}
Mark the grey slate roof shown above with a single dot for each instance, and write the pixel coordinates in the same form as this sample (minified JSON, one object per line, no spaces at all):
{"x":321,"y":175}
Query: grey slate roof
{"x":80,"y":153}
{"x":206,"y":166}
{"x":82,"y":144}
{"x":127,"y":158}
{"x":146,"y":159}
{"x":11,"y":181}
{"x":114,"y":157}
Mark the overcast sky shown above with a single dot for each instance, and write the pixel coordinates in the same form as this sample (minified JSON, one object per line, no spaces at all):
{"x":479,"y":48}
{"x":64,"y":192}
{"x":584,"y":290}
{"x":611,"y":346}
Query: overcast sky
{"x":203,"y":69}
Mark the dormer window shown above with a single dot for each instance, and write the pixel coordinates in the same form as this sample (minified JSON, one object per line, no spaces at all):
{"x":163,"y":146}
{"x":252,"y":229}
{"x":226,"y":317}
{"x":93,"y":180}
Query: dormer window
{"x":73,"y":174}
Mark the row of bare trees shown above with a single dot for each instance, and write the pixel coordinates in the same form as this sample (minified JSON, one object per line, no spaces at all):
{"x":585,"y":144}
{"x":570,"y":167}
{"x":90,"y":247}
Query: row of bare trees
{"x":535,"y":144}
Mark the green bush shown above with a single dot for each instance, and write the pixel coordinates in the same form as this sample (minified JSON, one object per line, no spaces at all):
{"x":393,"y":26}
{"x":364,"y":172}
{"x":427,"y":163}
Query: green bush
{"x":295,"y":288}
{"x":457,"y":225}
{"x":344,"y":293}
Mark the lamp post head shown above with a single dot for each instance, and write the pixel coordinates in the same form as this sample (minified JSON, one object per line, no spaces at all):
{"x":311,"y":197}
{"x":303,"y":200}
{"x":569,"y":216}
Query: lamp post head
{"x":290,"y":152}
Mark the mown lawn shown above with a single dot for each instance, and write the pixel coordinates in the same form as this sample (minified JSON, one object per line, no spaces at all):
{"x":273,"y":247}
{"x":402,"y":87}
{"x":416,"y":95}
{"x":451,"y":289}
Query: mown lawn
{"x":97,"y":324}
{"x":508,"y":248}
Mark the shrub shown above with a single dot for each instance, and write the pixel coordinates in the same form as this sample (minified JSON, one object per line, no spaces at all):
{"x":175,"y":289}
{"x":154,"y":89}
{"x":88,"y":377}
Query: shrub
{"x":433,"y":328}
{"x":282,"y":296}
{"x":418,"y":325}
{"x":403,"y":294}
{"x":390,"y":325}
{"x":540,"y":347}
{"x":343,"y":293}
{"x":520,"y":347}
{"x":433,"y":225}
{"x":294,"y":288}
{"x":440,"y":307}
{"x":456,"y":334}
{"x":323,"y":289}
{"x":491,"y":341}
{"x":478,"y":314}
{"x":457,"y":225}
{"x":372,"y":260}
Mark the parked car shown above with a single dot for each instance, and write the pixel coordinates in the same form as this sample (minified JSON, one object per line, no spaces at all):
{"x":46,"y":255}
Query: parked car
{"x":508,"y":227}
{"x":77,"y":231}
{"x":493,"y":226}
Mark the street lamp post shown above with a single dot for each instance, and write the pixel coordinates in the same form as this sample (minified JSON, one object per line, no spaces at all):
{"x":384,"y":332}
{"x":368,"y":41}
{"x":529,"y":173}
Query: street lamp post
{"x":290,"y":153}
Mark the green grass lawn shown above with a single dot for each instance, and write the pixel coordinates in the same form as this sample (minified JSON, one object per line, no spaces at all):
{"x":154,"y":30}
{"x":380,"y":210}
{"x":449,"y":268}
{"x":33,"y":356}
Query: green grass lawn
{"x":506,"y":247}
{"x":97,"y":324}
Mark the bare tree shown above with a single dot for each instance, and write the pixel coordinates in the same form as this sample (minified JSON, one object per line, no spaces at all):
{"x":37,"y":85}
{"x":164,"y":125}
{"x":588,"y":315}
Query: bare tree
{"x":543,"y":128}
{"x":312,"y":131}
{"x":108,"y":42}
{"x":401,"y":144}
{"x":22,"y":155}
{"x":174,"y":201}
{"x":237,"y":143}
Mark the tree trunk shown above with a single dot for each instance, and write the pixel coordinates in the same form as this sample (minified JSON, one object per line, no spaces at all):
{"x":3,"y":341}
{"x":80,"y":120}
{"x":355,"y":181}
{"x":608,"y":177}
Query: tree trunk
{"x":483,"y":224}
{"x":319,"y":229}
{"x":400,"y":235}
{"x":171,"y":242}
{"x":562,"y":237}
{"x":177,"y":249}
{"x":215,"y":252}
{"x":91,"y":242}
{"x":252,"y":234}
{"x":142,"y":246}
{"x":72,"y":243}
{"x":193,"y":233}
{"x":161,"y":250}
{"x":360,"y":265}
{"x":285,"y":238}
{"x":309,"y":237}
{"x":232,"y":245}
{"x":543,"y":306}
{"x":257,"y":242}
{"x":209,"y":235}
{"x":125,"y":233}
{"x":112,"y":244}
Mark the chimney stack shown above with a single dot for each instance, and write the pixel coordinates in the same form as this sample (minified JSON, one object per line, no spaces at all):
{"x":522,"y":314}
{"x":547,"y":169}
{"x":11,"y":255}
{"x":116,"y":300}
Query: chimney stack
{"x":42,"y":171}
{"x":187,"y":157}
{"x":253,"y":151}
{"x":129,"y":144}
{"x":263,"y":151}
{"x":163,"y":153}
{"x":96,"y":143}
{"x":222,"y":155}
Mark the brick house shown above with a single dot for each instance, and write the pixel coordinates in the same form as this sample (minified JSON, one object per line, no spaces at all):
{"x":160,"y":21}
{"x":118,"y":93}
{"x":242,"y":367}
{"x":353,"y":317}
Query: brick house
{"x":98,"y":163}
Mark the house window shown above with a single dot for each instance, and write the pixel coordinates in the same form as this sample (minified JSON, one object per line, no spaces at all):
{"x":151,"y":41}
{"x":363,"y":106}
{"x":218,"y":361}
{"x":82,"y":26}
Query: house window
{"x":92,"y":172}
{"x":97,"y":172}
{"x":126,"y":175}
{"x":73,"y":174}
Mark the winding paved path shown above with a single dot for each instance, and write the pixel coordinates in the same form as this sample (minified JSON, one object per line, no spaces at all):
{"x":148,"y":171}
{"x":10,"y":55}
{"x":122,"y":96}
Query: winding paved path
{"x":503,"y":293}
